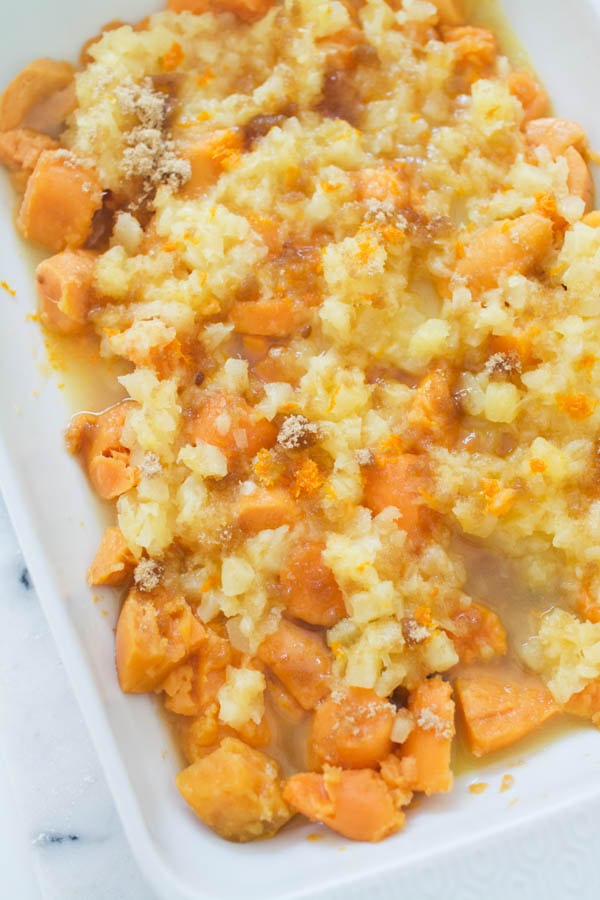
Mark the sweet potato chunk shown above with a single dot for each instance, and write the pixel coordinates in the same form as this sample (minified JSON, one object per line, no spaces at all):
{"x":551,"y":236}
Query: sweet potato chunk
{"x":351,"y":728}
{"x":579,"y":179}
{"x":97,"y":438}
{"x":310,"y":590}
{"x":477,"y":634}
{"x":530,"y":94}
{"x":244,"y":9}
{"x":517,"y":245}
{"x":586,"y":703}
{"x":61,"y":198}
{"x":301,"y":660}
{"x":208,"y":157}
{"x":272,"y":317}
{"x":151,"y":640}
{"x":430,"y":741}
{"x":555,"y":134}
{"x":233,"y":426}
{"x":65,"y":286}
{"x":31,"y":88}
{"x":236,"y":791}
{"x":395,"y":480}
{"x":357,"y":804}
{"x":114,"y":562}
{"x":266,"y":509}
{"x":498,"y":712}
{"x":20,"y":150}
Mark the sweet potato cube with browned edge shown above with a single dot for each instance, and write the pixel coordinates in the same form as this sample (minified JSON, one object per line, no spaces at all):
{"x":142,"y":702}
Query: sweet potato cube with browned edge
{"x":60,"y":201}
{"x":96,"y":437}
{"x":357,"y":804}
{"x":498,"y":712}
{"x":114,"y":562}
{"x":65,"y":286}
{"x":311,"y":592}
{"x":236,"y":791}
{"x":301,"y":660}
{"x":152,"y":639}
{"x":351,"y":728}
{"x":31,"y":88}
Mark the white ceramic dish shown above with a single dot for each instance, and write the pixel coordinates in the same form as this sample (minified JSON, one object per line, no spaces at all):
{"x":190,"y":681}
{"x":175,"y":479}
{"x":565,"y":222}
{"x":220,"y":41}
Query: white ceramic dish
{"x":452,"y":846}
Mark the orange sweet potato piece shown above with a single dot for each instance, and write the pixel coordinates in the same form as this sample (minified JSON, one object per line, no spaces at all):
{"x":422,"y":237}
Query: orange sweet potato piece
{"x":266,"y":509}
{"x":209,"y":156}
{"x":301,"y":661}
{"x":579,"y":179}
{"x":114,"y":562}
{"x":310,"y":590}
{"x":65,"y":286}
{"x":475,"y":48}
{"x":429,"y":744}
{"x":530,"y":94}
{"x":351,"y":728}
{"x":31,"y":88}
{"x":248,"y":10}
{"x":233,"y":426}
{"x":588,"y":606}
{"x":497,"y":712}
{"x":20,"y":150}
{"x":517,"y":245}
{"x":395,"y":480}
{"x":193,"y":687}
{"x":555,"y":134}
{"x":271,"y":317}
{"x":382,"y":184}
{"x":586,"y":703}
{"x":433,"y":410}
{"x":151,"y":640}
{"x":60,"y":200}
{"x":97,"y":438}
{"x":477,"y":634}
{"x":357,"y":803}
{"x":236,"y":791}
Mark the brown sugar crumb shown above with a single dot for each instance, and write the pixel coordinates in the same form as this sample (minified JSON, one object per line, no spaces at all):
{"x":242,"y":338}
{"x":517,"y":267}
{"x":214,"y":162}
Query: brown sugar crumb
{"x":503,"y":364}
{"x":150,"y":154}
{"x":151,"y":465}
{"x":414,"y":633}
{"x":297,"y":432}
{"x":430,"y":721}
{"x":364,"y":457}
{"x":148,"y":574}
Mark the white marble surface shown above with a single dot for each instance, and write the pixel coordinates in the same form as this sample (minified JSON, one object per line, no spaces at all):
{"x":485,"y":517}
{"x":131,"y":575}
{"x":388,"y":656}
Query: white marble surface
{"x":60,"y":838}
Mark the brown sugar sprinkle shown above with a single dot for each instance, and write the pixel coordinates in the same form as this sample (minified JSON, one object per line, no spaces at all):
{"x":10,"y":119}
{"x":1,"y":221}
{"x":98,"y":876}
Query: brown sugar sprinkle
{"x":148,"y":574}
{"x":414,"y":633}
{"x":298,"y":432}
{"x":503,"y":364}
{"x":364,"y":457}
{"x":150,"y":154}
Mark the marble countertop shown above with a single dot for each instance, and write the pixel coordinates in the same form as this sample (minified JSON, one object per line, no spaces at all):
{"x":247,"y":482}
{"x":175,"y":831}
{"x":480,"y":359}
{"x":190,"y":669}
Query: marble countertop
{"x":60,"y":837}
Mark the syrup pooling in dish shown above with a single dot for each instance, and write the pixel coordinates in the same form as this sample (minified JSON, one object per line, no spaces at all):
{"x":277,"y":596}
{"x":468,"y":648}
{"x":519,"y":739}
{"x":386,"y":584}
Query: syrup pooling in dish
{"x":348,"y":260}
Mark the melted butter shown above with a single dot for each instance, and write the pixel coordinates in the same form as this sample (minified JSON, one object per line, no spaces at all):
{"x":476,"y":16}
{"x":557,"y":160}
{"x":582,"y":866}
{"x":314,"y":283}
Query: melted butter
{"x":90,"y":382}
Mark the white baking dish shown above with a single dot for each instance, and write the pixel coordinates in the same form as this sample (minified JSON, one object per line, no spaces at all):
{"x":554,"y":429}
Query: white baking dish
{"x":459,"y":845}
